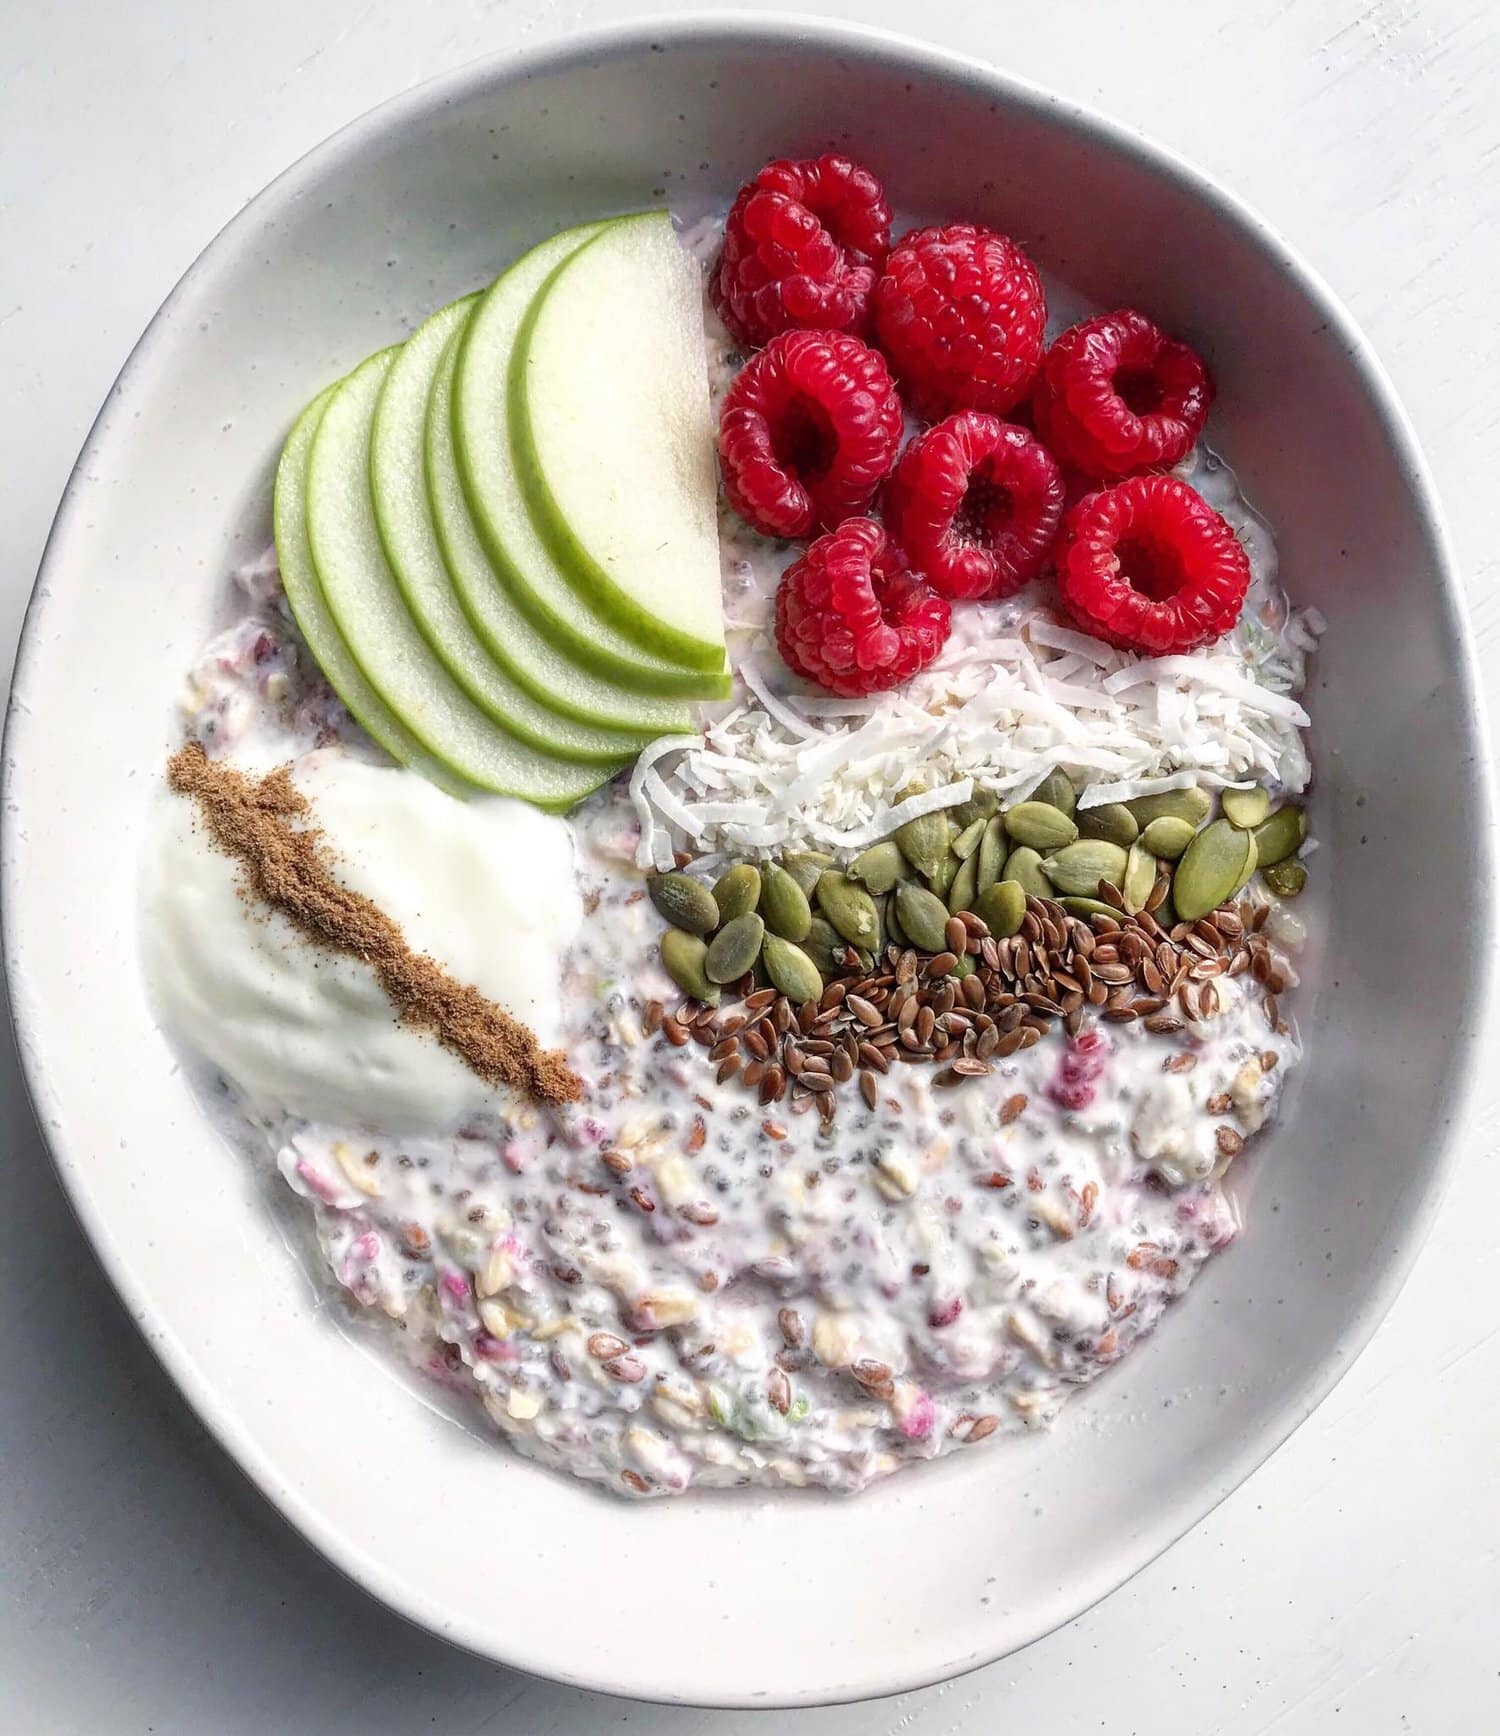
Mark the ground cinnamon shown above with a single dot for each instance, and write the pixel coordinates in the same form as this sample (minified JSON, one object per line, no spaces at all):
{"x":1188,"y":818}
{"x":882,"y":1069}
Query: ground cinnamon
{"x":264,"y":823}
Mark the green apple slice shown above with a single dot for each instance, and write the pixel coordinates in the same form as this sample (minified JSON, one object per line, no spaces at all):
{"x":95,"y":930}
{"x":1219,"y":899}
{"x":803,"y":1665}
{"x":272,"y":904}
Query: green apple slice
{"x":398,"y":488}
{"x":508,"y":634}
{"x":367,"y":605}
{"x":299,"y":578}
{"x":520,"y":560}
{"x":612,"y":435}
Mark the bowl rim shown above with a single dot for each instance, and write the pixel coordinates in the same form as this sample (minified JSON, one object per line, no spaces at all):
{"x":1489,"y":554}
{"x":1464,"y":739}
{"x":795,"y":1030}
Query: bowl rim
{"x":560,"y":54}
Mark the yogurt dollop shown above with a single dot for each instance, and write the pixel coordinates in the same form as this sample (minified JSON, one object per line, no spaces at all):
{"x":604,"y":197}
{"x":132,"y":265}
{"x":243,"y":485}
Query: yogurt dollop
{"x":486,"y":888}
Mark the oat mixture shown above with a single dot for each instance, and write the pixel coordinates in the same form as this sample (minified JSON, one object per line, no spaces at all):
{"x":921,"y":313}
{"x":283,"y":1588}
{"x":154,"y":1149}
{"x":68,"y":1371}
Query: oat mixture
{"x":794,"y":1245}
{"x":675,"y":1285}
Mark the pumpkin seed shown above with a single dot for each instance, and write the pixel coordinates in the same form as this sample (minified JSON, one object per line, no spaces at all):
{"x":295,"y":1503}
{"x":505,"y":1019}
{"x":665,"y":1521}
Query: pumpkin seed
{"x":1212,"y":867}
{"x":1280,"y":836}
{"x":848,"y":907}
{"x":805,"y":866}
{"x":683,"y":957}
{"x":923,"y":915}
{"x":737,"y":892}
{"x":1168,"y":836}
{"x":991,"y":853}
{"x":1078,"y":868}
{"x":1140,"y":877}
{"x":1286,"y":879}
{"x":1193,"y":805}
{"x":734,"y":948}
{"x":791,"y":970}
{"x":1111,"y":821}
{"x":982,"y":805}
{"x":1056,"y":790}
{"x":824,"y":946}
{"x":967,"y":841}
{"x":1087,"y":907}
{"x":963,"y":966}
{"x":965,"y":885}
{"x":879,"y":867}
{"x":878,"y":944}
{"x":1245,"y":808}
{"x":895,"y":934}
{"x":1002,"y":908}
{"x":924,"y":841}
{"x":1166,"y":913}
{"x":1025,"y":866}
{"x":783,"y":905}
{"x":684,"y":902}
{"x":1040,"y":826}
{"x":1248,"y":871}
{"x":941,"y":880}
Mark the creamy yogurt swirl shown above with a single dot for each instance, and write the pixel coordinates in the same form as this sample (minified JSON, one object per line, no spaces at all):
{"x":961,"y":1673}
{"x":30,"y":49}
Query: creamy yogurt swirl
{"x":486,"y":888}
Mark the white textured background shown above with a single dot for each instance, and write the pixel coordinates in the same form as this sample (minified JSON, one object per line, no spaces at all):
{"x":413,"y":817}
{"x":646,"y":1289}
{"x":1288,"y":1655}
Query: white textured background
{"x":1354,"y":1583}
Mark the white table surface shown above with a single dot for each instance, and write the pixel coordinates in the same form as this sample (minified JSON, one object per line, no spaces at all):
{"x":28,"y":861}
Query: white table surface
{"x":1353,"y":1583}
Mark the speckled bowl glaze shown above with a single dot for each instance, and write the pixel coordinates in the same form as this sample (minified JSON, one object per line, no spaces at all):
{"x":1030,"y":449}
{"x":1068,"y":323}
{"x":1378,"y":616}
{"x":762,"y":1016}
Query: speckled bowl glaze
{"x":760,"y":1600}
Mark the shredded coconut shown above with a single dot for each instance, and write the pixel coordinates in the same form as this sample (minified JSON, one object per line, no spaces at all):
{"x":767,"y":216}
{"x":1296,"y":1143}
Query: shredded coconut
{"x":1015,"y":694}
{"x":999,"y":712}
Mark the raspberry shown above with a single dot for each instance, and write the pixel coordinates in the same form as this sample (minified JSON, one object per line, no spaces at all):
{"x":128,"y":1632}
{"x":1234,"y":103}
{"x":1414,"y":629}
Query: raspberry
{"x":975,"y":503}
{"x":852,"y":616}
{"x":1116,"y":395}
{"x":803,"y":243}
{"x":1149,"y":566}
{"x":809,"y":430}
{"x":1071,"y":1093}
{"x":960,"y":312}
{"x":1086,"y":1056}
{"x":1082,"y":1064}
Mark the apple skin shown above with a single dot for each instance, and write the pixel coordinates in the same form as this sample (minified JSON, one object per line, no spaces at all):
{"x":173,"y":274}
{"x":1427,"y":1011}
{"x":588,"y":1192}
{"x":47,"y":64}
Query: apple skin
{"x":612,"y":436}
{"x":304,"y":592}
{"x":509,"y":635}
{"x":403,"y":516}
{"x":521,"y":559}
{"x":367,"y":605}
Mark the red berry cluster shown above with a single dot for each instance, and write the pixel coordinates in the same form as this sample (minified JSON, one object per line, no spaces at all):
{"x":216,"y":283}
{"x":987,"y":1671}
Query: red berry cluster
{"x":852,"y":616}
{"x":803,"y":245}
{"x":810,"y":436}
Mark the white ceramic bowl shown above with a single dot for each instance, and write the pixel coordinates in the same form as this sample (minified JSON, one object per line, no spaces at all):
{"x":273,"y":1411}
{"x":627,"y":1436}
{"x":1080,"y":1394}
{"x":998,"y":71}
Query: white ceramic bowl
{"x":758,"y":1600}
